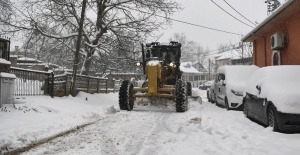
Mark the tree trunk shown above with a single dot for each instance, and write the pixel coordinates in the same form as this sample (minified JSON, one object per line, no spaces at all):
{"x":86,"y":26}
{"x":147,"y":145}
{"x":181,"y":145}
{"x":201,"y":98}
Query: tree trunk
{"x":76,"y":59}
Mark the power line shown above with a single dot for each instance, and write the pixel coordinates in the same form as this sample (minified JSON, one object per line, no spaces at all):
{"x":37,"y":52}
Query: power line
{"x":238,"y":12}
{"x":231,"y":14}
{"x":180,"y":21}
{"x":216,"y":51}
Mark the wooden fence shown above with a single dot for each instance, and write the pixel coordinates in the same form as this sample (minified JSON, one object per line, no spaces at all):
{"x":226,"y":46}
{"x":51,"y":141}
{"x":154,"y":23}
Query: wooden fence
{"x":32,"y":82}
{"x":62,"y":84}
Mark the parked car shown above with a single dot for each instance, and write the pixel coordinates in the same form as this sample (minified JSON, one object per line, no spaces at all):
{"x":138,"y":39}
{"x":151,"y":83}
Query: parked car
{"x":229,"y":85}
{"x":211,"y":93}
{"x":272,"y":97}
{"x":205,"y":85}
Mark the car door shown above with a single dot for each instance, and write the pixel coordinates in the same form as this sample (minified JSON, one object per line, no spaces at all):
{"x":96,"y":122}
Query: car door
{"x":258,"y":106}
{"x":221,"y":89}
{"x":255,"y":106}
{"x":216,"y":87}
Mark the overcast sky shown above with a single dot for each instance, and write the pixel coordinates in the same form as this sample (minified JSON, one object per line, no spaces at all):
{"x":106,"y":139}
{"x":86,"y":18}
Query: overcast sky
{"x":206,"y":13}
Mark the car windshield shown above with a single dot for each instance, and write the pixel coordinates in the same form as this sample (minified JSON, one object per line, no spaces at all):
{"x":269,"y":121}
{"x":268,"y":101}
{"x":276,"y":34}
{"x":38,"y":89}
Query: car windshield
{"x":162,"y":54}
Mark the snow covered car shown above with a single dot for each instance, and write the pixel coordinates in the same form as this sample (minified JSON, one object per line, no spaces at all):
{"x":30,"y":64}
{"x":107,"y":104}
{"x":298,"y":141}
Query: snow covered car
{"x":229,"y":85}
{"x":211,"y":93}
{"x":205,"y":85}
{"x":272,"y":97}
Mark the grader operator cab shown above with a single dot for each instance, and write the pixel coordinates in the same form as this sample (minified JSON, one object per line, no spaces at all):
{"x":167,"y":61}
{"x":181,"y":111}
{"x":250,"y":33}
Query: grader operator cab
{"x":163,"y":77}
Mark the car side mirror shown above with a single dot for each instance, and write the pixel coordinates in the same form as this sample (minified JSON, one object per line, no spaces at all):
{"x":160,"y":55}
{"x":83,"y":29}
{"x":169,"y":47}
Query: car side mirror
{"x":223,"y":83}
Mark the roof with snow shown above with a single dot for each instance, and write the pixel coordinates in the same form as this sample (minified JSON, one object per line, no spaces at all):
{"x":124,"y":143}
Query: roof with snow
{"x":231,"y":54}
{"x":29,"y":59}
{"x":281,"y":14}
{"x":186,"y":67}
{"x":3,"y":61}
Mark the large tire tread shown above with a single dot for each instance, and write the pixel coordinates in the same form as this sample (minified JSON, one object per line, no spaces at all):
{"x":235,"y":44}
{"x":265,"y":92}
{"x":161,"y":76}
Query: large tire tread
{"x":181,"y":96}
{"x":125,"y":98}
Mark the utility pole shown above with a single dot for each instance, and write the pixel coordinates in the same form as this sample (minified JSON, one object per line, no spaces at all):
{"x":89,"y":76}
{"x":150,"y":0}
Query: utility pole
{"x":209,"y":76}
{"x":76,"y":59}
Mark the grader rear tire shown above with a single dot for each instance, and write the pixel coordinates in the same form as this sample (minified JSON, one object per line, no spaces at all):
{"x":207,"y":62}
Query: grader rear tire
{"x":125,"y":96}
{"x":181,"y":96}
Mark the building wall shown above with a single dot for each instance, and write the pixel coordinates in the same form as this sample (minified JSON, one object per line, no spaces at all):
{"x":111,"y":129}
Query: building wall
{"x":290,"y":55}
{"x":259,"y":52}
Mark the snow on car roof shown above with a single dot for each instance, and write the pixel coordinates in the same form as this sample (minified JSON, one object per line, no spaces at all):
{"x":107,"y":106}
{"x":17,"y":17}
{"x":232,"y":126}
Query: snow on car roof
{"x":279,"y":84}
{"x":237,"y":72}
{"x":236,"y":76}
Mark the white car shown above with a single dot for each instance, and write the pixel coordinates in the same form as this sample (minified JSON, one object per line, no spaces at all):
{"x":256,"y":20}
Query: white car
{"x":229,"y":85}
{"x":205,"y":85}
{"x":272,"y":97}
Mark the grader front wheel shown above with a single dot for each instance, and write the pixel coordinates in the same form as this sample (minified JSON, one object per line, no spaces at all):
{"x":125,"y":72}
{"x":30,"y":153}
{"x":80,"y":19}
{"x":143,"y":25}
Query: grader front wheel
{"x":181,"y":96}
{"x":126,"y":100}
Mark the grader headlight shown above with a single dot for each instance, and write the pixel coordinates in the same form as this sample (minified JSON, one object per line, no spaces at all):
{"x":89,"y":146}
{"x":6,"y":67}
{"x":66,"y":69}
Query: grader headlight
{"x":138,"y":64}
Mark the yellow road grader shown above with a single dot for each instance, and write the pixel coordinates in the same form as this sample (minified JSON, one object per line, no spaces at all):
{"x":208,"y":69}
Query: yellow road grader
{"x":160,"y":64}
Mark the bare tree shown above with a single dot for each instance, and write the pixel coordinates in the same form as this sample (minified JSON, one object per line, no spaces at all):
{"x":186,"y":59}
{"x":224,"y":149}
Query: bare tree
{"x":191,"y":51}
{"x":6,"y":13}
{"x":107,"y":24}
{"x":224,"y":47}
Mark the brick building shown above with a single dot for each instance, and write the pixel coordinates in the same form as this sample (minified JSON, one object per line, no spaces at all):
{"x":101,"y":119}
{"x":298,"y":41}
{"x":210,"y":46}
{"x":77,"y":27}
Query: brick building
{"x":276,"y":41}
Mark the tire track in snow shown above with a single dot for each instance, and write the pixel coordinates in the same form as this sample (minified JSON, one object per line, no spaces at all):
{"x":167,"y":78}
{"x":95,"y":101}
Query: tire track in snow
{"x":146,"y":141}
{"x":151,"y":143}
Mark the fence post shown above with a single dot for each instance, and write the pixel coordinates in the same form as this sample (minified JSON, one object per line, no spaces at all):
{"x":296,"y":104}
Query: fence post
{"x":98,"y":81}
{"x":106,"y":86}
{"x":114,"y":85}
{"x":66,"y":85}
{"x":52,"y":84}
{"x":88,"y":84}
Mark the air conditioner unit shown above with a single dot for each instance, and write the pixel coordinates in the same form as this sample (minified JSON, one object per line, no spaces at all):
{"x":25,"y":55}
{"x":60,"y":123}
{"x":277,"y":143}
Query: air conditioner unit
{"x":277,"y":41}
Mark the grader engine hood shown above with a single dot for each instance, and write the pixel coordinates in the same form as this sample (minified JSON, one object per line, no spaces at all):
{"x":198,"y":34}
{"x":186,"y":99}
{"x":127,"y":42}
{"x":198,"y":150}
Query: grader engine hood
{"x":153,"y":69}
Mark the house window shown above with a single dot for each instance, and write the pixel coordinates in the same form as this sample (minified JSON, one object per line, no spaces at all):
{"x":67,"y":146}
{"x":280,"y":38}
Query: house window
{"x":196,"y":78}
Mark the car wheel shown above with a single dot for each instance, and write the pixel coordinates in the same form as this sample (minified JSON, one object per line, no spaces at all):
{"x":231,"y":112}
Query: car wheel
{"x":212,"y":100}
{"x":217,"y":104}
{"x":208,"y":98}
{"x":226,"y":104}
{"x":272,"y":119}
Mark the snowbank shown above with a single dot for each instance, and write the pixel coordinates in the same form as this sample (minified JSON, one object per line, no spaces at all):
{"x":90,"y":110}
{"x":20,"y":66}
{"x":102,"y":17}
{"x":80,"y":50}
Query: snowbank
{"x":36,"y":117}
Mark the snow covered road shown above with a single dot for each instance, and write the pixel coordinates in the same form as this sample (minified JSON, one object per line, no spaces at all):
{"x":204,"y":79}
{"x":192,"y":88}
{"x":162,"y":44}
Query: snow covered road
{"x":148,"y":130}
{"x":203,"y":129}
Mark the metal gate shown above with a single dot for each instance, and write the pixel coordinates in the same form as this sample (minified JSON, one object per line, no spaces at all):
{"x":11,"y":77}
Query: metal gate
{"x":32,"y":83}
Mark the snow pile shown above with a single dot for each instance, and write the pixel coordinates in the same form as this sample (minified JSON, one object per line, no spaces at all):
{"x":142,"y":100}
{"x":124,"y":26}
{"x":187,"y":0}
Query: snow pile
{"x":279,"y":84}
{"x":36,"y":117}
